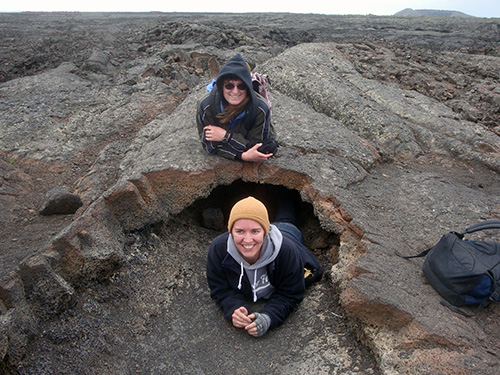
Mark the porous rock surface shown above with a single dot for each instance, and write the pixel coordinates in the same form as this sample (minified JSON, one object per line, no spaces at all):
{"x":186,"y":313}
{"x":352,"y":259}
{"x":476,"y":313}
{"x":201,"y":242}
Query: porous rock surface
{"x":391,"y":142}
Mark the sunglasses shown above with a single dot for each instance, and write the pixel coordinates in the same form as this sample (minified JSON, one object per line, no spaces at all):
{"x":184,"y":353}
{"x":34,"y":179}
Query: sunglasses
{"x":230,"y":86}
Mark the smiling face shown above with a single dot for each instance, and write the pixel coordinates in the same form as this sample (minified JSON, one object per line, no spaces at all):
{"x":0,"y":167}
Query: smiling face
{"x":248,"y":236}
{"x":234,"y":90}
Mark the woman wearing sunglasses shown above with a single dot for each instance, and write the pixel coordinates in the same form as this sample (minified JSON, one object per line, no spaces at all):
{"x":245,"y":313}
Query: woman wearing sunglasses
{"x":233,"y":120}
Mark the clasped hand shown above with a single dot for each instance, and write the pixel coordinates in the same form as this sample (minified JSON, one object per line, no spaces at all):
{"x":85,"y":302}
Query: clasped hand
{"x":253,"y":154}
{"x":241,"y":319}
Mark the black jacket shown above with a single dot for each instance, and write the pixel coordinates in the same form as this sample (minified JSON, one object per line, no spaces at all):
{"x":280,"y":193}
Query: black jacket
{"x":286,"y":274}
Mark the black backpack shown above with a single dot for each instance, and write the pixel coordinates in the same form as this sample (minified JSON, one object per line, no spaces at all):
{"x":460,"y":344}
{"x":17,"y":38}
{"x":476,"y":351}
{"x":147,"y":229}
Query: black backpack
{"x":464,"y":272}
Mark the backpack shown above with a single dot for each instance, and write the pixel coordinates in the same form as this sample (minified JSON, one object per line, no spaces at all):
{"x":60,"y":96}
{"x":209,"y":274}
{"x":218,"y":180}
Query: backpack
{"x":464,"y":272}
{"x":260,"y":84}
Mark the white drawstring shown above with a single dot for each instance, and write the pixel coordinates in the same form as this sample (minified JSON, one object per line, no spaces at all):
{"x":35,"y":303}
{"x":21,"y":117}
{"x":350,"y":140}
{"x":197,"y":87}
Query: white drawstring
{"x":241,"y":275}
{"x":254,"y":288}
{"x":254,"y":282}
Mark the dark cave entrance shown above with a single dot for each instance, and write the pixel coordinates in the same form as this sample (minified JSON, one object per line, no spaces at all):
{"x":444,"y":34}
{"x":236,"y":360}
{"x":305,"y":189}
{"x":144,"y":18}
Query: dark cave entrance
{"x":213,"y":212}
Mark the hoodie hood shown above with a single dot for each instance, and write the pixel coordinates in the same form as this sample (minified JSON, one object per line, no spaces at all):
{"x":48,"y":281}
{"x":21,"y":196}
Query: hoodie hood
{"x":257,"y":272}
{"x":238,"y":67}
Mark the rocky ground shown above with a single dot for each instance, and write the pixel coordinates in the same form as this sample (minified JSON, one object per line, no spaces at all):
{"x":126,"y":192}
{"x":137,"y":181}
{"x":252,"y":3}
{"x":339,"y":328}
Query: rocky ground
{"x":153,"y":318}
{"x":85,"y":96}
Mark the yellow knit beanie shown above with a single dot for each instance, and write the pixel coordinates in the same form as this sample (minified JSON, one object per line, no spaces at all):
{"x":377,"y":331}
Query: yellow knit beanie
{"x":249,"y":208}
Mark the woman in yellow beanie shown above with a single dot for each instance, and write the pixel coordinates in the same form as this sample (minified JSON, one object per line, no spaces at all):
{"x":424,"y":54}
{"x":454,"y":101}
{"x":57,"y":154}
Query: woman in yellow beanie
{"x":257,"y":259}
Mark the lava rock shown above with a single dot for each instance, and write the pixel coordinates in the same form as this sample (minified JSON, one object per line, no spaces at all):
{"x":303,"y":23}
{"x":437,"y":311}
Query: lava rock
{"x":59,"y":201}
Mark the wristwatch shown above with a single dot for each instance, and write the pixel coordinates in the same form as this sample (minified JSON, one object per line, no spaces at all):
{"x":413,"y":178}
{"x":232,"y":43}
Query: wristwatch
{"x":226,"y":138}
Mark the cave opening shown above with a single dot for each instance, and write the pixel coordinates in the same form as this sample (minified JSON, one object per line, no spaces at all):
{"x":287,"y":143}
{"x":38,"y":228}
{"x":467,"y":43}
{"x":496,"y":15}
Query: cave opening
{"x":213,"y":213}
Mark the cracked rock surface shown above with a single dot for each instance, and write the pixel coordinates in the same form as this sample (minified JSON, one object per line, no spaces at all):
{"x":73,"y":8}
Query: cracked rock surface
{"x":389,"y":135}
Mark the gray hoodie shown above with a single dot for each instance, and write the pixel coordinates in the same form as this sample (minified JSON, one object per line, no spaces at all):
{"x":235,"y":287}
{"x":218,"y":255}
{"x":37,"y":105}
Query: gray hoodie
{"x":257,"y":272}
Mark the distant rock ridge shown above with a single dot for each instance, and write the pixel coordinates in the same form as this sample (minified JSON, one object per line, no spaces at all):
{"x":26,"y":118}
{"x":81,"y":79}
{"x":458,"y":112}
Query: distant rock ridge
{"x":408,"y":12}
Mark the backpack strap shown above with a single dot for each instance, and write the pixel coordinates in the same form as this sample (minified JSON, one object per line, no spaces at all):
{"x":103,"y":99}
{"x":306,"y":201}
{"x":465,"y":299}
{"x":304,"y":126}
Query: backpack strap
{"x":487,"y":224}
{"x":420,"y":255}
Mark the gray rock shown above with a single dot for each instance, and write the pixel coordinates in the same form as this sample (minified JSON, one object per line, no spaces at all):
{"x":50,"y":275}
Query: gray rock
{"x":46,"y":291}
{"x":213,"y":218}
{"x":59,"y":201}
{"x":16,"y":331}
{"x":98,"y":62}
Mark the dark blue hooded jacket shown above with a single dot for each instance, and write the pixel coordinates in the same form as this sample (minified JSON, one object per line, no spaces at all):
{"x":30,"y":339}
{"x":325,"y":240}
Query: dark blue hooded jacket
{"x":286,"y":274}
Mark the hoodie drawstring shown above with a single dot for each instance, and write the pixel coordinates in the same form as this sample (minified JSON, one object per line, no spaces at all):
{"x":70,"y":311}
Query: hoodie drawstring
{"x":241,"y":275}
{"x":254,"y":287}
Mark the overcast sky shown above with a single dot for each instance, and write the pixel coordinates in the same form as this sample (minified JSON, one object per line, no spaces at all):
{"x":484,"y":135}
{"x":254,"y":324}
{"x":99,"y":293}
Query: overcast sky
{"x":478,"y":8}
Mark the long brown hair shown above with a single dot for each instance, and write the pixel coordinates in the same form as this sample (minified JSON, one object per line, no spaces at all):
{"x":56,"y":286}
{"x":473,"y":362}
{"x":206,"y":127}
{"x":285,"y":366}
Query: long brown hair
{"x":231,"y":111}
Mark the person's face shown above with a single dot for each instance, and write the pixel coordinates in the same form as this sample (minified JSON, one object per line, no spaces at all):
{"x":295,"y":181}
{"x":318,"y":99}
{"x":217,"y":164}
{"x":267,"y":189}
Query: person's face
{"x":235,"y":91}
{"x":248,"y":236}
